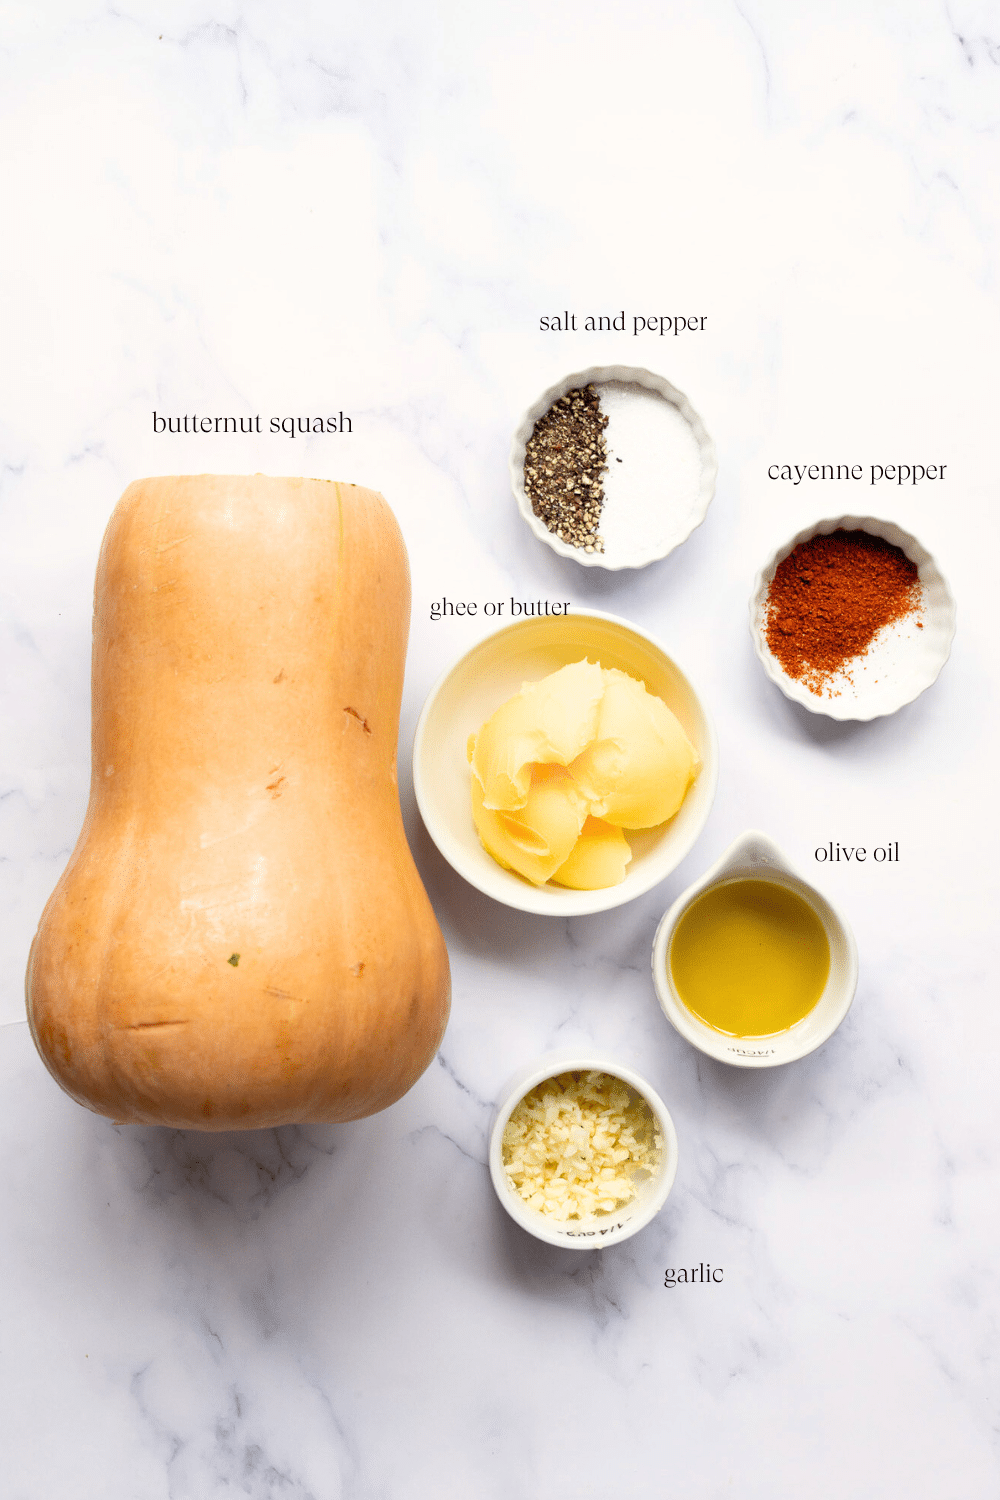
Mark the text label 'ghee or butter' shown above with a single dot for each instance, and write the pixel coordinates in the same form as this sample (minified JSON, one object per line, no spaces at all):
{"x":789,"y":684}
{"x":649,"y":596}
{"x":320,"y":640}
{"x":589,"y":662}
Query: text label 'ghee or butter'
{"x":514,"y":609}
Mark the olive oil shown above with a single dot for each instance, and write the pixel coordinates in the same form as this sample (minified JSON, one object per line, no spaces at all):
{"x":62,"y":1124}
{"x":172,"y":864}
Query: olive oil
{"x":749,"y":958}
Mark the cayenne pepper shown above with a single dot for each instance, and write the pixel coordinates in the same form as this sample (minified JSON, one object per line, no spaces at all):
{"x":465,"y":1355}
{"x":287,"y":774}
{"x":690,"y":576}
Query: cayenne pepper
{"x":830,"y":598}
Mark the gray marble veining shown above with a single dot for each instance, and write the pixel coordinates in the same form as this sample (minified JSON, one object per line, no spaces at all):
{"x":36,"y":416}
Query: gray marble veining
{"x":368,"y":209}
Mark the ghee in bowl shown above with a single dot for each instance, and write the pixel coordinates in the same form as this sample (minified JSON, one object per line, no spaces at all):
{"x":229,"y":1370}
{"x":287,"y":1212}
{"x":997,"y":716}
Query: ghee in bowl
{"x":486,"y":677}
{"x":752,"y":965}
{"x":563,"y":767}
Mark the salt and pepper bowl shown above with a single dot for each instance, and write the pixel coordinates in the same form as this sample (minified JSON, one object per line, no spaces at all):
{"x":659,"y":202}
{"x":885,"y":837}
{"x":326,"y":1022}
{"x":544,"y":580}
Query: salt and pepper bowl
{"x":678,"y":515}
{"x":755,"y":857}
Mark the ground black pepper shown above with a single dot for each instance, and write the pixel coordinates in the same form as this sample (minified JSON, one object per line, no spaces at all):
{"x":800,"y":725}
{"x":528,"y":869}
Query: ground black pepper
{"x":563,"y":463}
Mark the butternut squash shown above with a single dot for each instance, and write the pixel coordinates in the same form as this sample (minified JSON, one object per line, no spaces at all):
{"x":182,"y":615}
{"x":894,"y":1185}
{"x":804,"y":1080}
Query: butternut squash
{"x":241,"y":938}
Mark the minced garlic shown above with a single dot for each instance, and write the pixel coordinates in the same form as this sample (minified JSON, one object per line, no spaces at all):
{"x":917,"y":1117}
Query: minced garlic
{"x":580,"y":1145}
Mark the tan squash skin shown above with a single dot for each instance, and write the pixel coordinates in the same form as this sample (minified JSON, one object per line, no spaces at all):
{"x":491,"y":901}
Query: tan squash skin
{"x":249,"y":642}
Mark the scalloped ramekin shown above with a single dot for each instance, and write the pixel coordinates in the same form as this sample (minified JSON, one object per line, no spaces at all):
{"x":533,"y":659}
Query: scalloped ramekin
{"x":672,"y":516}
{"x":903,"y":660}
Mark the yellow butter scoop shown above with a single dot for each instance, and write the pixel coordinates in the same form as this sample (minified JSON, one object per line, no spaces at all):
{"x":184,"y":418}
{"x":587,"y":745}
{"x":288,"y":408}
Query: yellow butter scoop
{"x":567,"y":763}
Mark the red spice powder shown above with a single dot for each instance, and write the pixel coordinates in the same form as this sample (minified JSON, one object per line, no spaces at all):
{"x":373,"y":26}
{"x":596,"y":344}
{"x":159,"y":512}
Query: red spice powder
{"x":830,"y":598}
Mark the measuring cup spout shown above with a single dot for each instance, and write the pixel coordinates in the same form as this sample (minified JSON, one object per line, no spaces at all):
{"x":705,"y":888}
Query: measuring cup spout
{"x":753,"y":852}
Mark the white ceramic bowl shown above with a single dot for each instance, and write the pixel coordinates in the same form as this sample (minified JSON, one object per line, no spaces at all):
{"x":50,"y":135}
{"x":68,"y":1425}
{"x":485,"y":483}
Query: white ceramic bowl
{"x":902,"y":660}
{"x":604,"y":1229}
{"x":755,"y":857}
{"x":493,"y":671}
{"x":648,"y":510}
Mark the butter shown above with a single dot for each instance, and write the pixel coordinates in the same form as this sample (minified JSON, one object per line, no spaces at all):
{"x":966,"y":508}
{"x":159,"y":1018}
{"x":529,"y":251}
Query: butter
{"x":641,"y":763}
{"x":597,"y":859}
{"x":547,"y":723}
{"x":537,"y":839}
{"x":569,"y":762}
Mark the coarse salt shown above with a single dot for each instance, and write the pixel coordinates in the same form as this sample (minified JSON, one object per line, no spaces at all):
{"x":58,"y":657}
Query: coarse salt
{"x":652,"y":490}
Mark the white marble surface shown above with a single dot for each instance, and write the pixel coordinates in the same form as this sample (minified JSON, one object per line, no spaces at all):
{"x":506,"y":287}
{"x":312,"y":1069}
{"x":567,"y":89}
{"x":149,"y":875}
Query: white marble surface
{"x":368,"y":208}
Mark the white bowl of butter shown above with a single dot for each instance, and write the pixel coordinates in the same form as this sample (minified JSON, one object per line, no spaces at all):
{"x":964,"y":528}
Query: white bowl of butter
{"x":494,"y":671}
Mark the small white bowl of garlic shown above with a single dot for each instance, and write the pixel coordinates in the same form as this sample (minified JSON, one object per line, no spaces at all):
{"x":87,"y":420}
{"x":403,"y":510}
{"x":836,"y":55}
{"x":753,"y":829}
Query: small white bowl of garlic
{"x":485,"y":680}
{"x":583,"y":1152}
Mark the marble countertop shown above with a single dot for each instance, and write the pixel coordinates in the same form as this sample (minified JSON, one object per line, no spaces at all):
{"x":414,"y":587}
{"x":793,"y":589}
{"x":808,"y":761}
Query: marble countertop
{"x":369,"y":210}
